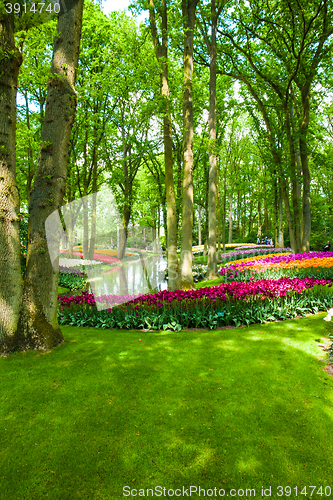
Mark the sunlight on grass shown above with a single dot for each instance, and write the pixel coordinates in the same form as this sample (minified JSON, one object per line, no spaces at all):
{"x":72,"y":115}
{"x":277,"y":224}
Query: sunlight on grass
{"x":245,"y":406}
{"x":229,"y":345}
{"x":203,"y":458}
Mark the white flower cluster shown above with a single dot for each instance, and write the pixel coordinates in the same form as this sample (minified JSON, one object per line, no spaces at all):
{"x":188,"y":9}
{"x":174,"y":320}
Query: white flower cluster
{"x":78,"y":262}
{"x":329,"y":315}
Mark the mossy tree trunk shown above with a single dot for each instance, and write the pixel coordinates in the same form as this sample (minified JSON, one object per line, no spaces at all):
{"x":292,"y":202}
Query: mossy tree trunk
{"x":171,"y":216}
{"x":10,"y":268}
{"x":38,"y":326}
{"x":212,"y":260}
{"x":188,"y":10}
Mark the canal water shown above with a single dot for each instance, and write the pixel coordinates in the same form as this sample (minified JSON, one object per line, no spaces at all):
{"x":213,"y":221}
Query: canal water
{"x":137,"y":277}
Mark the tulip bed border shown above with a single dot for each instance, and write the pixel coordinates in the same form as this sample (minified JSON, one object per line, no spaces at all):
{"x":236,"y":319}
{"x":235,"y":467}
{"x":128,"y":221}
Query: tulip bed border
{"x":201,"y":313}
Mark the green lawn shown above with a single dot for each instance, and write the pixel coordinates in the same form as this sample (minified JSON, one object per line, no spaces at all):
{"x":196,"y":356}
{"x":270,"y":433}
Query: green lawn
{"x":232,"y":408}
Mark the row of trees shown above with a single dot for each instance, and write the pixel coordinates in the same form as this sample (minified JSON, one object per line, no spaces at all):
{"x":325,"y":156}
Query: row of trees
{"x":159,"y":120}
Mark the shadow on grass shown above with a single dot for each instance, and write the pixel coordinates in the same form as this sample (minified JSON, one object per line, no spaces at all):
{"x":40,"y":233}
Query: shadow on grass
{"x":228,"y":409}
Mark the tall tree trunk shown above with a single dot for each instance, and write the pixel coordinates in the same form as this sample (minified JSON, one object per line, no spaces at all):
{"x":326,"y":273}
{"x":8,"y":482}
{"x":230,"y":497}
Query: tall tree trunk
{"x":306,"y":219}
{"x":212,"y":261}
{"x":281,"y":240}
{"x":276,"y":214}
{"x":238,"y":228}
{"x":206,"y":215}
{"x":127,"y":198}
{"x":250,"y":217}
{"x":285,"y":197}
{"x":94,"y":200}
{"x":38,"y":326}
{"x":265,"y":228}
{"x":85,"y":226}
{"x":218,"y":214}
{"x":259,"y":218}
{"x":199,"y":224}
{"x":124,"y":232}
{"x":188,"y":10}
{"x":179,"y":187}
{"x":224,"y":205}
{"x":294,"y":183}
{"x":171,"y":220}
{"x":70,"y":233}
{"x":10,"y":250}
{"x":93,"y":226}
{"x":230,"y":217}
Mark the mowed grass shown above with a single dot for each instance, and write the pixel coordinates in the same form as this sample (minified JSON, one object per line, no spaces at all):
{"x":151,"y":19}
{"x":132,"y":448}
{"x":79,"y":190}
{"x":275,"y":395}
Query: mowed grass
{"x":233,"y":408}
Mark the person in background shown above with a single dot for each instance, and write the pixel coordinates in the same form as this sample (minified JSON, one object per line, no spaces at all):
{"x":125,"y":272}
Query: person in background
{"x":258,"y":241}
{"x":327,"y":247}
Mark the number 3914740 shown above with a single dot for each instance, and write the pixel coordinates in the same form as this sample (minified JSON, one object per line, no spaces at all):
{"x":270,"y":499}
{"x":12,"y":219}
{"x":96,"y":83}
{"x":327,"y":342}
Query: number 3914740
{"x":33,"y":7}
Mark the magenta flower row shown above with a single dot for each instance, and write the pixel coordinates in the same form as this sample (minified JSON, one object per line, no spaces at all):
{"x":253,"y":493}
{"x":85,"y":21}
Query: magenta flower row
{"x":278,"y":258}
{"x":240,"y":290}
{"x":70,"y":270}
{"x":100,"y":257}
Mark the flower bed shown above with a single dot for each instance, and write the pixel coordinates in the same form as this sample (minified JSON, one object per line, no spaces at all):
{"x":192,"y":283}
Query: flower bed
{"x":241,"y":303}
{"x":254,"y":251}
{"x":71,"y":270}
{"x":255,"y":258}
{"x":64,"y":262}
{"x":111,"y":253}
{"x":284,"y":261}
{"x":99,"y":258}
{"x":200,"y":312}
{"x":71,"y":278}
{"x":252,"y":245}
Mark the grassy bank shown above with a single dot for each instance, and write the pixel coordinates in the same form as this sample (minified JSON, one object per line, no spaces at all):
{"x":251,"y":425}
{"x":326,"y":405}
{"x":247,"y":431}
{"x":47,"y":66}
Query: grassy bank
{"x":232,"y":408}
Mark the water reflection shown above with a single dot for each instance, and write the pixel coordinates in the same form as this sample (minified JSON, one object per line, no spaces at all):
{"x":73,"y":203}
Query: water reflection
{"x":137,"y":277}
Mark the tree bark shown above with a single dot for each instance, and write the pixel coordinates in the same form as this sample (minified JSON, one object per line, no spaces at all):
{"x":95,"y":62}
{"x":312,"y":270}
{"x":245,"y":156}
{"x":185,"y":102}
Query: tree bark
{"x":188,"y":9}
{"x":212,"y":260}
{"x":93,"y":227}
{"x":218,"y":214}
{"x":171,"y":233}
{"x":70,"y":234}
{"x":199,"y":225}
{"x":285,"y":197}
{"x":276,"y":214}
{"x":306,"y":219}
{"x":127,"y":163}
{"x":38,"y":326}
{"x":281,"y":241}
{"x":230,"y":217}
{"x":224,"y":206}
{"x":10,"y":250}
{"x":85,"y":226}
{"x":294,"y":182}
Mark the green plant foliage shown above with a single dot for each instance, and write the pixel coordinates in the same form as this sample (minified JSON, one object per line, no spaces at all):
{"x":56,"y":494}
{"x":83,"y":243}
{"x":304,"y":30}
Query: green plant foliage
{"x":71,"y":281}
{"x":200,"y":313}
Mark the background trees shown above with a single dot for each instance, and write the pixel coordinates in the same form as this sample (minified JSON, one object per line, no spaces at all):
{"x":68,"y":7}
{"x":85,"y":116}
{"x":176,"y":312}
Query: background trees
{"x":212,"y":123}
